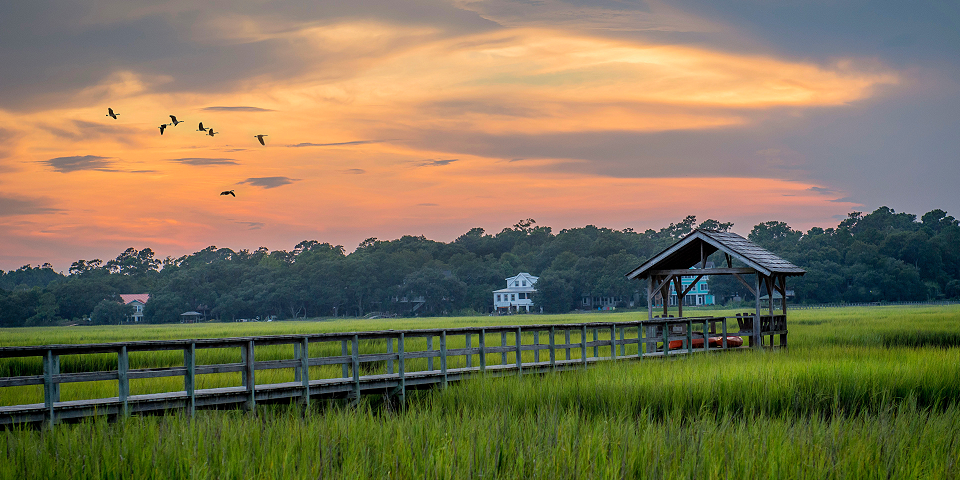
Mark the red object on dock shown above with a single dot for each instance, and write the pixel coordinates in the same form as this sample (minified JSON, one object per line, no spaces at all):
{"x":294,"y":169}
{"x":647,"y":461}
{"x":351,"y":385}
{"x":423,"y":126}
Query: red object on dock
{"x":715,"y":342}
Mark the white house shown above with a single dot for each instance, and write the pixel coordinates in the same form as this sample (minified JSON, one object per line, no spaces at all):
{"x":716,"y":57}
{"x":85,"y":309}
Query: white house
{"x":517,"y":296}
{"x":138,"y":300}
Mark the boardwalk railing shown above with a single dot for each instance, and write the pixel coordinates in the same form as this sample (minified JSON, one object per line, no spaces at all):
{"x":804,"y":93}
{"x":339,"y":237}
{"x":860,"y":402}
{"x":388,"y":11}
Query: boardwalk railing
{"x":324,"y":365}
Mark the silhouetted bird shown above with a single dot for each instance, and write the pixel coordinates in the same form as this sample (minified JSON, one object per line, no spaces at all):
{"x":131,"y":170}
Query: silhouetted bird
{"x":175,"y":121}
{"x":260,"y":137}
{"x":201,"y":129}
{"x":211,"y":132}
{"x":163,"y":126}
{"x":228,"y":192}
{"x":111,"y":114}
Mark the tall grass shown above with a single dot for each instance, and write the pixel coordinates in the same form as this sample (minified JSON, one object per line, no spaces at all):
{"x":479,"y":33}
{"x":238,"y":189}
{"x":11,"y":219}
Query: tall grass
{"x":861,"y":393}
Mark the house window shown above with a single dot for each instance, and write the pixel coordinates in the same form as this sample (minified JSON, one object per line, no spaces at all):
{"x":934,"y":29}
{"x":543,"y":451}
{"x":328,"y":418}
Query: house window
{"x":703,"y":287}
{"x":498,"y":297}
{"x":513,"y":296}
{"x":524,"y":282}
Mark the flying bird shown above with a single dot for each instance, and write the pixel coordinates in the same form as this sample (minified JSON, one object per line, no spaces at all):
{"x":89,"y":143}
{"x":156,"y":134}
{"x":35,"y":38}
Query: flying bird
{"x":201,"y":129}
{"x":111,"y":114}
{"x":163,"y":126}
{"x":229,"y":192}
{"x":175,"y":121}
{"x":211,"y":132}
{"x":260,"y":137}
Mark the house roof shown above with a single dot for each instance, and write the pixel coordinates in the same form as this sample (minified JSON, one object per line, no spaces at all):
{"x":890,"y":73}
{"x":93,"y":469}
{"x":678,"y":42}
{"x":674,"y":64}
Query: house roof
{"x":515,"y":290}
{"x":689,"y":250}
{"x":129,"y":297}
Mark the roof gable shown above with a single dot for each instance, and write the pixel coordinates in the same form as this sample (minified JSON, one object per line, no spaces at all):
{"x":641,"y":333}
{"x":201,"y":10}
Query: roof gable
{"x":130,"y":297}
{"x":699,"y":244}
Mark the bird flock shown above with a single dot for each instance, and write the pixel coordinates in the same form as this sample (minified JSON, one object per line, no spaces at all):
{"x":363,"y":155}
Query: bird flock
{"x":209,"y":131}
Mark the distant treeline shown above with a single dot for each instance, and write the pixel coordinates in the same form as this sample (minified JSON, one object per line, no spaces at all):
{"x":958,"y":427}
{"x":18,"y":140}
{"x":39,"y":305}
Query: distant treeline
{"x":881,"y":256}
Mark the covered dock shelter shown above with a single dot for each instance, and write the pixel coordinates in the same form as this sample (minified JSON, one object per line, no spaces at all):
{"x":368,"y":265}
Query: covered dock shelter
{"x":688,"y":257}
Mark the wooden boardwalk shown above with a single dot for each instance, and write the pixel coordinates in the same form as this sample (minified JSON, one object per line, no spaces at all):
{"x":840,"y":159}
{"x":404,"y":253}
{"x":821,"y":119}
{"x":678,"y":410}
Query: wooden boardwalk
{"x":379,"y":362}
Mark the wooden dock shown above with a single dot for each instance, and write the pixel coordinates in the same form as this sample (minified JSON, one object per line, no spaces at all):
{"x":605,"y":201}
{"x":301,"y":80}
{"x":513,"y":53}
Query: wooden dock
{"x":378,"y":362}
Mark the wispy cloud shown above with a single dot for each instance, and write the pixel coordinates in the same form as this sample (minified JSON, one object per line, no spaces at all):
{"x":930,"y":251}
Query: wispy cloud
{"x":10,"y":206}
{"x":268,"y":182}
{"x":84,"y":130}
{"x":822,"y":190}
{"x":252,"y":225}
{"x":79,"y":162}
{"x":355,"y":171}
{"x":428,"y":205}
{"x":197,"y":161}
{"x":437,"y":163}
{"x":355,"y":142}
{"x":236,"y":109}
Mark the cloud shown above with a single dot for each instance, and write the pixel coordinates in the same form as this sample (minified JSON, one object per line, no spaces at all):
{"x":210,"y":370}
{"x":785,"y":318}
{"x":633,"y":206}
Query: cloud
{"x":269,"y":182}
{"x":10,"y":206}
{"x":236,"y":109}
{"x":83,"y":130}
{"x":846,"y":200}
{"x":252,"y":225}
{"x":196,"y":161}
{"x":822,"y":190}
{"x":355,"y":171}
{"x":437,"y":163}
{"x":355,"y":142}
{"x":80,"y":162}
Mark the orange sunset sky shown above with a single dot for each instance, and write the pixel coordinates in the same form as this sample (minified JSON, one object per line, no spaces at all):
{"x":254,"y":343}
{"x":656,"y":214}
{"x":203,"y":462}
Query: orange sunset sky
{"x":385,"y":119}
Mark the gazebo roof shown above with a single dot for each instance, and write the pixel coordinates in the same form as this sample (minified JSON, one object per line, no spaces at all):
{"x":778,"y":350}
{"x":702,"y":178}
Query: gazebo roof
{"x":699,"y":244}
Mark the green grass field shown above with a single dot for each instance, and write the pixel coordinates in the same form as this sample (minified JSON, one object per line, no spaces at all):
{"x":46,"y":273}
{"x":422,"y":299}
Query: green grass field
{"x":862,"y":393}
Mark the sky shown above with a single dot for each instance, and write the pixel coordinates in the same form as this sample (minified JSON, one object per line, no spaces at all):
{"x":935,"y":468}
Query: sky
{"x":386,"y":118}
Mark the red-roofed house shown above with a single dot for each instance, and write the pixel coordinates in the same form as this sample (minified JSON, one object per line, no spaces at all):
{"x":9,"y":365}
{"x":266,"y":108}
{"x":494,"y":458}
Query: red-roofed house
{"x":138,"y":300}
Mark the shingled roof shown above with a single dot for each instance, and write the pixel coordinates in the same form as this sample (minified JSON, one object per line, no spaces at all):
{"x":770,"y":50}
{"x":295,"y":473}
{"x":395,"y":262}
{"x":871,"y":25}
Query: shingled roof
{"x":687,"y":253}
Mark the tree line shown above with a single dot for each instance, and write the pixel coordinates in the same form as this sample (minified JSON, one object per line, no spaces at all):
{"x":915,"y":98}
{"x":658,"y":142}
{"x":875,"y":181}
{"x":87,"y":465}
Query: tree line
{"x":880,"y":256}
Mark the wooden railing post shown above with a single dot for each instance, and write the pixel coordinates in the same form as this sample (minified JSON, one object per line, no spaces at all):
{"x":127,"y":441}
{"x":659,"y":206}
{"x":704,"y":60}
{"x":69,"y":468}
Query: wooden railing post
{"x":51,"y":389}
{"x":344,"y":353}
{"x":536,"y":343}
{"x":190,"y":377}
{"x":483,"y":350}
{"x":296,"y":356}
{"x":123,"y":381}
{"x":596,"y":348}
{"x":403,"y":369}
{"x":519,"y":352}
{"x":305,"y":369}
{"x":553,"y":348}
{"x":623,"y":342}
{"x":443,"y":357}
{"x":706,"y":336}
{"x":666,"y":338}
{"x":467,"y":343}
{"x":566,"y":340}
{"x":689,"y":336}
{"x":249,"y":376}
{"x":724,"y":326}
{"x":390,"y":360}
{"x":355,"y":362}
{"x":583,"y":344}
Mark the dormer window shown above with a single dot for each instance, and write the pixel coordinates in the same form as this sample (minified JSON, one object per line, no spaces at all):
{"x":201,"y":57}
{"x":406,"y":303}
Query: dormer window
{"x":524,"y":282}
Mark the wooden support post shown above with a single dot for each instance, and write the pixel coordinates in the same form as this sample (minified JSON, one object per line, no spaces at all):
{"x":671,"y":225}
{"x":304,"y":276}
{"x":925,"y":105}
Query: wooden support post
{"x":649,"y":298}
{"x":443,"y":357}
{"x":566,"y":339}
{"x":623,"y":342}
{"x":583,"y":344}
{"x":757,"y":339}
{"x":467,"y":343}
{"x":430,"y":348}
{"x":390,"y":360}
{"x":403,"y":370}
{"x":689,"y":336}
{"x":305,"y":369}
{"x":249,"y":376}
{"x":553,"y":348}
{"x":483,"y":350}
{"x":51,"y":389}
{"x":355,"y":362}
{"x":519,"y":352}
{"x":706,"y":336}
{"x":724,"y":326}
{"x":678,"y":286}
{"x":503,"y":343}
{"x":344,"y":353}
{"x":123,"y":386}
{"x":536,"y":343}
{"x":190,"y":377}
{"x":613,"y":342}
{"x":666,"y":338}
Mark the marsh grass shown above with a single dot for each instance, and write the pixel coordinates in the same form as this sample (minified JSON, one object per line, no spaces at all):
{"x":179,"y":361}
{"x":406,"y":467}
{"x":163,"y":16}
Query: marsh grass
{"x":843,"y":402}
